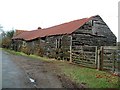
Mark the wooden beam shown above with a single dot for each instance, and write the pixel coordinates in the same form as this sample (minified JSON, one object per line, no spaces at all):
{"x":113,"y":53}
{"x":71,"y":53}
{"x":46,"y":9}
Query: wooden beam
{"x":114,"y":62}
{"x":102,"y":57}
{"x":70,"y":48}
{"x":98,"y":63}
{"x":111,"y":47}
{"x":96,"y":54}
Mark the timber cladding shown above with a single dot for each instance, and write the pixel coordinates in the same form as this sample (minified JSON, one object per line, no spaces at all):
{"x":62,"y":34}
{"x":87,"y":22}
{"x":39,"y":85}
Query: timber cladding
{"x":77,"y":41}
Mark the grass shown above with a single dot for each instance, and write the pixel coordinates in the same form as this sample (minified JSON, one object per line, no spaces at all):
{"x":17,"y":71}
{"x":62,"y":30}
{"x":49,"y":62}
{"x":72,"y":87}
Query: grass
{"x":92,"y":78}
{"x":23,"y":54}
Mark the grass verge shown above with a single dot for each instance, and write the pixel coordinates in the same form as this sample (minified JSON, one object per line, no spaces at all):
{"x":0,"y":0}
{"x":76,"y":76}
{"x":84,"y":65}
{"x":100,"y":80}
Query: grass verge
{"x":89,"y":77}
{"x":23,"y":54}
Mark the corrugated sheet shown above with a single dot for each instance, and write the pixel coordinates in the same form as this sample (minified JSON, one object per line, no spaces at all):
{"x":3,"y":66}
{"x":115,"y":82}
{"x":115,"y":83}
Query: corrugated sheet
{"x":66,"y":28}
{"x":18,"y":32}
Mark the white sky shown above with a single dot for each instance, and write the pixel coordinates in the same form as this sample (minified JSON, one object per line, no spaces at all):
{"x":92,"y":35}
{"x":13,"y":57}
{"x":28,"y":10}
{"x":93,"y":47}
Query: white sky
{"x":29,"y":14}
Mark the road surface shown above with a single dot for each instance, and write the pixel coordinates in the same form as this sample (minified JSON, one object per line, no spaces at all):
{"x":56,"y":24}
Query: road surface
{"x":18,"y":70}
{"x":12,"y":75}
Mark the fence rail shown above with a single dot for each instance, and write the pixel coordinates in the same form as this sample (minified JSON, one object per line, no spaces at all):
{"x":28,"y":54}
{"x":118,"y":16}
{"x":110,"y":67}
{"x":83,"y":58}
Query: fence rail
{"x":104,"y":58}
{"x":110,"y":58}
{"x":84,"y":55}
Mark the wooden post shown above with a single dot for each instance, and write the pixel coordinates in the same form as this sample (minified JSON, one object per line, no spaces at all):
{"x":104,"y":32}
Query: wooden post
{"x":33,"y":48}
{"x":70,"y":48}
{"x":98,"y":63}
{"x":96,"y":55}
{"x":56,"y":43}
{"x":102,"y":57}
{"x":114,"y":61}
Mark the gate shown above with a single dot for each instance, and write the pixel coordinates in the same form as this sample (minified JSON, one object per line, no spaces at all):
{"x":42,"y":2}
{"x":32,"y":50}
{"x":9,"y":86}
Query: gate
{"x":104,"y":58}
{"x":85,"y":56}
{"x":109,"y":58}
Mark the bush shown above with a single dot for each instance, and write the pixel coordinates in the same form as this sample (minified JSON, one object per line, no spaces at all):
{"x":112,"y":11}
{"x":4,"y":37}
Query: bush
{"x":6,"y":42}
{"x":39,"y":51}
{"x":62,"y":54}
{"x":6,"y":39}
{"x":25,"y":50}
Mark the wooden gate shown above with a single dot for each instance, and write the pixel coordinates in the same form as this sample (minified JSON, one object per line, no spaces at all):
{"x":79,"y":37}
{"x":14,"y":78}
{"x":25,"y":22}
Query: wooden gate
{"x":104,"y":58}
{"x":85,"y":56}
{"x":109,"y":58}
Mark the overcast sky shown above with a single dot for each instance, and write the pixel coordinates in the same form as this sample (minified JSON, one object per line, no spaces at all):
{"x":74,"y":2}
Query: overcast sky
{"x":30,"y":14}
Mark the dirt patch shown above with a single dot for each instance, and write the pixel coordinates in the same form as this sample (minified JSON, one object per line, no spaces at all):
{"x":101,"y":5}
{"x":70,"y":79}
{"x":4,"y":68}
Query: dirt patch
{"x":67,"y":83}
{"x":46,"y":74}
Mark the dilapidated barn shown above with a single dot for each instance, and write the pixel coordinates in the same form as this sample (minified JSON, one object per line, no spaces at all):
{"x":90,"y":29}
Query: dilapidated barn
{"x":58,"y":41}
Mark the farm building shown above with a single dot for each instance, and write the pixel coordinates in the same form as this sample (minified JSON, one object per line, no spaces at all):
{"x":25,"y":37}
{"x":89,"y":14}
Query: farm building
{"x":58,"y":41}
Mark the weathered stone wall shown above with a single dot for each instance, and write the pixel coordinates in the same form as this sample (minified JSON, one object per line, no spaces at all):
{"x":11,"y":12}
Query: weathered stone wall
{"x":56,"y":46}
{"x":16,"y":45}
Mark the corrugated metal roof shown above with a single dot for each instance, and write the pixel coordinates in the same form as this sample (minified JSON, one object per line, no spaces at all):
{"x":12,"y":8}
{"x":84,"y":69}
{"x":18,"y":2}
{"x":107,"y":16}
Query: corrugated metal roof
{"x":65,"y":28}
{"x":18,"y":32}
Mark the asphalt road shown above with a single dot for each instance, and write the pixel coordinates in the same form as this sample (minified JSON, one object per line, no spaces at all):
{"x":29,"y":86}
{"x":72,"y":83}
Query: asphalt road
{"x":12,"y":75}
{"x":18,"y":70}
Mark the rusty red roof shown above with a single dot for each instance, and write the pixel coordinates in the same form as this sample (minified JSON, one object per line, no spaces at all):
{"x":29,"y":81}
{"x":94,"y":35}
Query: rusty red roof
{"x":18,"y":32}
{"x":65,"y":28}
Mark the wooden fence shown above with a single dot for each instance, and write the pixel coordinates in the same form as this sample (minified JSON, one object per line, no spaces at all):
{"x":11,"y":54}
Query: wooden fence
{"x":103,"y":58}
{"x":85,"y":55}
{"x":110,"y":59}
